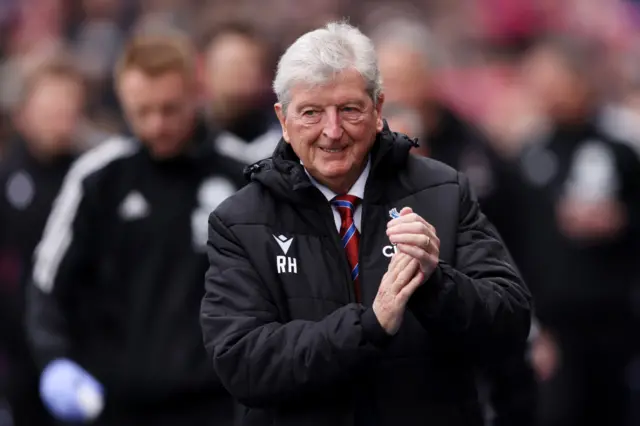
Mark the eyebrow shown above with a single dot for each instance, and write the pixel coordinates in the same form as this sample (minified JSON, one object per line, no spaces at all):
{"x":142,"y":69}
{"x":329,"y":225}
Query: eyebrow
{"x":307,"y":105}
{"x":356,"y":102}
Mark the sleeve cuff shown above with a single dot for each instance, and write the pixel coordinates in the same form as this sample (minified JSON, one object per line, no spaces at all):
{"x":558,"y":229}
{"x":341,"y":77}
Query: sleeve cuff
{"x":45,"y":358}
{"x":373,"y":331}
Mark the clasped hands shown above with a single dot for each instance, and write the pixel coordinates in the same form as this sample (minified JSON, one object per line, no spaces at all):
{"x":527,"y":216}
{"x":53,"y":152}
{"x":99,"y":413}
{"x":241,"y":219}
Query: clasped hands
{"x":416,"y":258}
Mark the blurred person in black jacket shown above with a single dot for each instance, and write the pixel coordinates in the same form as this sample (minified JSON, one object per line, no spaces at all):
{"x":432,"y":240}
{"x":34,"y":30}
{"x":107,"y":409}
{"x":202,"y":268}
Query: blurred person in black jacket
{"x":407,"y":60}
{"x":237,"y":79}
{"x":579,"y":185}
{"x":117,"y":278}
{"x":30,"y":177}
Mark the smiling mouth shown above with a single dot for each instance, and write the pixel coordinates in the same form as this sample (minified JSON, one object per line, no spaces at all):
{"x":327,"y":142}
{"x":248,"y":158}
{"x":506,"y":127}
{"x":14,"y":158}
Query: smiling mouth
{"x":332,"y":150}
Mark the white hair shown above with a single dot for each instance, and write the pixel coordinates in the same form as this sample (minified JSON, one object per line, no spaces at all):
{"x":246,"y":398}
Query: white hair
{"x":316,"y":57}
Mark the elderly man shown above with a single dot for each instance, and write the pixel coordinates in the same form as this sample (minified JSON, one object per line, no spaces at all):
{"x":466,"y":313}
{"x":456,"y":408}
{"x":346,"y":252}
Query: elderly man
{"x":352,"y":283}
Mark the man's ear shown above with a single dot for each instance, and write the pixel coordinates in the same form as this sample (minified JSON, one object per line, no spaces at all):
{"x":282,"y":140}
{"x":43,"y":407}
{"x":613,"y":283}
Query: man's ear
{"x":379,"y":122}
{"x":282,"y":118}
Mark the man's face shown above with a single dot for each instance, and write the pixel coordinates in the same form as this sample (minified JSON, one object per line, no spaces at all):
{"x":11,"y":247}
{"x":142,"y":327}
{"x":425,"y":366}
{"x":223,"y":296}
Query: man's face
{"x":52,"y":113}
{"x":406,"y":78}
{"x":235,"y":77}
{"x":161,"y":110}
{"x":550,"y":81}
{"x":332,"y":128}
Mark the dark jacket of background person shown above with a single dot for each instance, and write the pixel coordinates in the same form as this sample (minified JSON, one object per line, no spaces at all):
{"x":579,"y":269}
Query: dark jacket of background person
{"x":459,"y":144}
{"x":508,"y":380}
{"x":28,"y":185}
{"x":578,"y":279}
{"x":583,"y":285}
{"x":297,"y":345}
{"x":118,"y":275}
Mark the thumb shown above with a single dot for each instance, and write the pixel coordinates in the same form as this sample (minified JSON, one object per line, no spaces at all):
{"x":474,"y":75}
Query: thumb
{"x":405,"y":211}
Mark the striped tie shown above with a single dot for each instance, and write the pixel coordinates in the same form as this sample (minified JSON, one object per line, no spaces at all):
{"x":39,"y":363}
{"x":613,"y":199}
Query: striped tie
{"x":346,"y":205}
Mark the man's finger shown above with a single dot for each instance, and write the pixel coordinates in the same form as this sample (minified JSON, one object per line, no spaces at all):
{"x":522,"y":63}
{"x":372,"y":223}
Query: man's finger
{"x":405,"y":293}
{"x":395,"y":259}
{"x":418,"y":240}
{"x":404,"y":276}
{"x":391,"y":269}
{"x":409,"y":228}
{"x":408,"y":217}
{"x":403,"y":262}
{"x":408,"y":270}
{"x":395,"y":266}
{"x":399,"y":262}
{"x":405,"y":211}
{"x":413,"y":251}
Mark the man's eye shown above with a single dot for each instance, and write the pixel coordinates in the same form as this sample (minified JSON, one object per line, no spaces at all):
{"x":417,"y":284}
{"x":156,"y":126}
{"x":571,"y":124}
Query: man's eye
{"x":309,"y":113}
{"x":349,"y":109}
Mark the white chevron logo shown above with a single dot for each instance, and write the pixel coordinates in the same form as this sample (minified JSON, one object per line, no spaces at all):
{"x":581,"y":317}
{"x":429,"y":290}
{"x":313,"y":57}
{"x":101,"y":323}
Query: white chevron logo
{"x":283,"y":242}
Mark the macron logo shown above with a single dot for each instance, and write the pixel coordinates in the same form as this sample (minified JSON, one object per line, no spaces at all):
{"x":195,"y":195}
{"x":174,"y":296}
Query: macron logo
{"x":284,"y":263}
{"x":283,"y":242}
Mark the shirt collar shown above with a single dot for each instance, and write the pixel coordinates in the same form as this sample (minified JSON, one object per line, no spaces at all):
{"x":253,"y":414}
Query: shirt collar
{"x":357,"y":189}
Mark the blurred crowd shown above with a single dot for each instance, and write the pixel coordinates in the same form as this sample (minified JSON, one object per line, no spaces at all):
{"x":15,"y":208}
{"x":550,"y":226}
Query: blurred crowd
{"x":537,"y":102}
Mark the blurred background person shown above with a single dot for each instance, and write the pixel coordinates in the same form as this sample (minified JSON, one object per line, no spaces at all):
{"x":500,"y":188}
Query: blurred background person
{"x":97,"y":32}
{"x":579,"y":187}
{"x":408,"y":62}
{"x":45,"y":144}
{"x":237,"y":76}
{"x":117,"y":279}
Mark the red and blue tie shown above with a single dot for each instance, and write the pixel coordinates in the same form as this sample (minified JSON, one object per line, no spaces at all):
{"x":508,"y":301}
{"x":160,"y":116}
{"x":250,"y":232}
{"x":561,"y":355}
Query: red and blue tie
{"x":346,"y":205}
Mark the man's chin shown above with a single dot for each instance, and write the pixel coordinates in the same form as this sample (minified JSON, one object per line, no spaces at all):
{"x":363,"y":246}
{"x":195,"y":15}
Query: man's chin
{"x":335,"y":171}
{"x":334,"y":174}
{"x":162,"y":150}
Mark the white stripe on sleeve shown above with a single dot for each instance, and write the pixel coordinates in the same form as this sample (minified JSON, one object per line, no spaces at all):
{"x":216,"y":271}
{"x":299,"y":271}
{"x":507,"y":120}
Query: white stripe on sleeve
{"x":58,"y":232}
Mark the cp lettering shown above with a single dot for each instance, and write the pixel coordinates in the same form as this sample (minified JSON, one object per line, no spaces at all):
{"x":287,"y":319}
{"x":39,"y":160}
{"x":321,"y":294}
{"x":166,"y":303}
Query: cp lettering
{"x":287,"y":264}
{"x":389,"y":251}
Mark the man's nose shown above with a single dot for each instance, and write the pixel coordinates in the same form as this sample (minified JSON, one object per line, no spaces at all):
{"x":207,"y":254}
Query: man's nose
{"x":154,"y":124}
{"x":333,"y":125}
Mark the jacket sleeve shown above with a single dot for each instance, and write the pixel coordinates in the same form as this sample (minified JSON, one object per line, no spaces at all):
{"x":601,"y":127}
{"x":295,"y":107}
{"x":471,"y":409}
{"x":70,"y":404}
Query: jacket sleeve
{"x":481,"y":301}
{"x":261,"y":359}
{"x":10,"y":334}
{"x":630,"y":170}
{"x":61,"y":264}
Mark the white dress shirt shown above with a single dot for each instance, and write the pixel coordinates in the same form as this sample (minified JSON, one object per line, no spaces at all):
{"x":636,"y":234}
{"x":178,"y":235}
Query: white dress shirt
{"x":357,"y":189}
